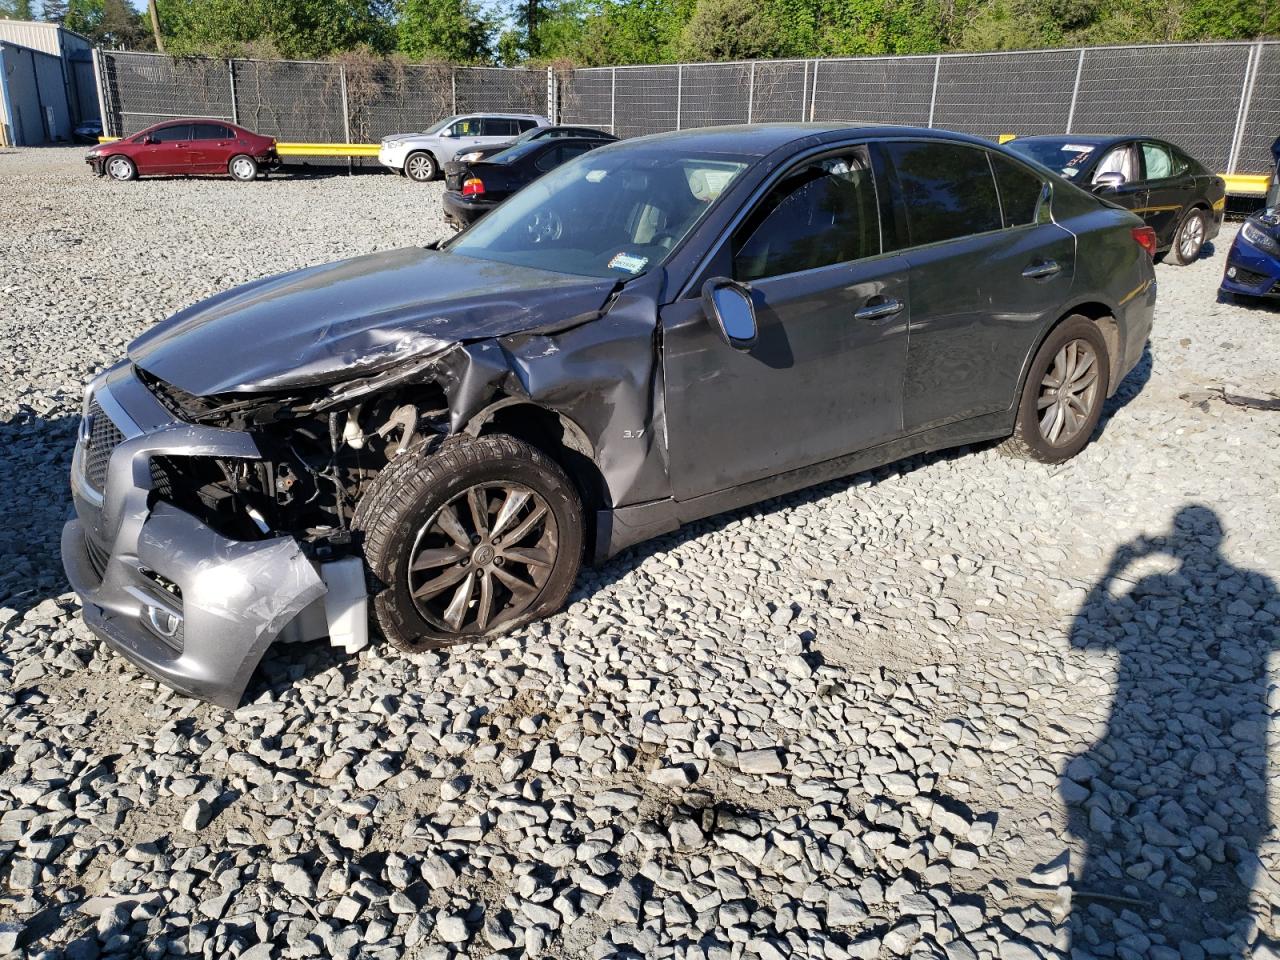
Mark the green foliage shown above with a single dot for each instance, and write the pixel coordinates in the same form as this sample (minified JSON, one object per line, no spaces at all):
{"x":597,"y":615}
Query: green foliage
{"x":453,"y":30}
{"x":730,"y":30}
{"x":17,"y":10}
{"x":291,"y":28}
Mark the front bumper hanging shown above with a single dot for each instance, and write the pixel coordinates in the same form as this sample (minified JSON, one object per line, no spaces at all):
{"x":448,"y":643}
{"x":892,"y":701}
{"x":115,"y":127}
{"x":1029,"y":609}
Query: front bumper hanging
{"x":193,"y":608}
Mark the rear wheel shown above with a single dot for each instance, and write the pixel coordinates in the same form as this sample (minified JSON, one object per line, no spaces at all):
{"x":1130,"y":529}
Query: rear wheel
{"x":1189,"y":240}
{"x":481,"y":537}
{"x":243,"y":168}
{"x":121,"y":169}
{"x":420,"y":167}
{"x":1062,"y":399}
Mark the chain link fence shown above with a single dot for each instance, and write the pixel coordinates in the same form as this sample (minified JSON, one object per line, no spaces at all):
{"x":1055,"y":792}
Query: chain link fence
{"x":1219,"y":101}
{"x":312,"y":101}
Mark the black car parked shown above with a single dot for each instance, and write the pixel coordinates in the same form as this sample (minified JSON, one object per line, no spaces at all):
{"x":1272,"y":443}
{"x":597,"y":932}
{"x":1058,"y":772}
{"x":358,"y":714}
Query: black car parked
{"x":473,"y":189}
{"x":663,"y":329}
{"x":537,"y":133}
{"x":1177,"y":197}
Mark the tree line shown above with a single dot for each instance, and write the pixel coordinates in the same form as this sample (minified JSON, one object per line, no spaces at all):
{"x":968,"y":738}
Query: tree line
{"x":601,"y":32}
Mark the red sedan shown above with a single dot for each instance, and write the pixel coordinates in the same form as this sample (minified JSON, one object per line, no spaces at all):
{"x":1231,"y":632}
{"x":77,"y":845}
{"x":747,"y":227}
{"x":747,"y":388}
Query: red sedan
{"x":185,"y":147}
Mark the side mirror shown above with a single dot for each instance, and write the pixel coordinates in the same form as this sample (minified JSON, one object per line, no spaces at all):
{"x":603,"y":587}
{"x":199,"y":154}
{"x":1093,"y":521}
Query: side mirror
{"x":1109,"y":181}
{"x":728,"y":304}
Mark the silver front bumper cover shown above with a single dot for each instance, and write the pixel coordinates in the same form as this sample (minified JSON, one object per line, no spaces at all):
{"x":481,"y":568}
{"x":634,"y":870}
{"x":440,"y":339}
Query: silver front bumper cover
{"x":234,"y":597}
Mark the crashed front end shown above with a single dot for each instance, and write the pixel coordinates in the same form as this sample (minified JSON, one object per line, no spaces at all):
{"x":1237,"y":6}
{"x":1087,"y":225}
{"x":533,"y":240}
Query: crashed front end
{"x":204,"y":531}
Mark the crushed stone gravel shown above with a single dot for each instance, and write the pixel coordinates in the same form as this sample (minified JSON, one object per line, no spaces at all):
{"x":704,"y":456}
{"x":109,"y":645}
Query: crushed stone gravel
{"x":959,"y":707}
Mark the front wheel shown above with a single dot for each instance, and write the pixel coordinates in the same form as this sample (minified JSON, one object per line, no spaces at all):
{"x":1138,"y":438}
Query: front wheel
{"x":121,"y":169}
{"x":243,"y":168}
{"x":1062,"y":399}
{"x":420,"y":167}
{"x":1189,"y":240}
{"x":478,"y":538}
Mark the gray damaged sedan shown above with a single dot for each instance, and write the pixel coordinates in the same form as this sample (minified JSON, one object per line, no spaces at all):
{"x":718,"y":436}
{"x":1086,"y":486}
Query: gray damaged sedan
{"x":430,"y":441}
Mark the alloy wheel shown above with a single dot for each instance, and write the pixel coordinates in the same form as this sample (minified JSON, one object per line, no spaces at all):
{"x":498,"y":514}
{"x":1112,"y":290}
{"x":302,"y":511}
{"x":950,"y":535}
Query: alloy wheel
{"x":483,"y":558}
{"x":1068,"y":393}
{"x":1191,"y":238}
{"x":421,"y":168}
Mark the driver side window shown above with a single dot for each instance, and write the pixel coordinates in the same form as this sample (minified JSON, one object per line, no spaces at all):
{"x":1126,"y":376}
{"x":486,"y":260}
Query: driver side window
{"x":1122,"y":160}
{"x":819,"y":214}
{"x":465,"y":128}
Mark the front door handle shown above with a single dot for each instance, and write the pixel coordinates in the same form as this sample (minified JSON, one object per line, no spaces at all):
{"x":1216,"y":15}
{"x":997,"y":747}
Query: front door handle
{"x":1041,"y":269}
{"x":879,"y":307}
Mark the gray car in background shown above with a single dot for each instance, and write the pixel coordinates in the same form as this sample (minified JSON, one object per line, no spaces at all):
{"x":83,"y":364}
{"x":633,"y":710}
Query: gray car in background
{"x":432,"y":441}
{"x":421,"y":156}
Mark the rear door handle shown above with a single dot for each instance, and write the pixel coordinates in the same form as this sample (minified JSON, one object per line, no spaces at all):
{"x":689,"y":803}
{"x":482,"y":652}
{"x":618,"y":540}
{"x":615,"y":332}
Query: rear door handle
{"x":881,"y":308}
{"x":1041,"y":269}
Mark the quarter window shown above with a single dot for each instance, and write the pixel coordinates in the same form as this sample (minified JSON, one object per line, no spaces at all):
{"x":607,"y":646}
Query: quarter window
{"x":948,"y":190}
{"x":822,"y":213}
{"x":1156,"y":160}
{"x":1023,"y":196}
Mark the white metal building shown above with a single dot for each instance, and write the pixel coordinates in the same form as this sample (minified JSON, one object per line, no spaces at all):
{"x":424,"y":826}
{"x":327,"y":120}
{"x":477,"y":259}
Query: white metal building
{"x":47,"y":83}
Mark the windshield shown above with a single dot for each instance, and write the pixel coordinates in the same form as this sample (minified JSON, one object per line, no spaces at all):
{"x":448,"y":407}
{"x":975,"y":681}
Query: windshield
{"x":609,"y":213}
{"x":1061,"y":156}
{"x":437,"y":127}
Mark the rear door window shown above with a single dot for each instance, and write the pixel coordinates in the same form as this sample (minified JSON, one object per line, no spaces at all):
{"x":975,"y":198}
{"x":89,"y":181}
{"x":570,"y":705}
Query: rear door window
{"x":1157,"y":162}
{"x":822,"y":213}
{"x":497,"y":127}
{"x":210,"y":131}
{"x":948,"y":190}
{"x":1024,"y":197}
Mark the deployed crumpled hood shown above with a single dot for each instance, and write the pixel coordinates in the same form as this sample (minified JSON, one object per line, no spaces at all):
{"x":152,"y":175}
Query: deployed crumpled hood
{"x":329,"y":323}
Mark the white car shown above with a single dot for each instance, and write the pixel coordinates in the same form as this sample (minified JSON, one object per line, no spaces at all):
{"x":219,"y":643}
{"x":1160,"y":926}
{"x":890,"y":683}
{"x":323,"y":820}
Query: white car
{"x":420,"y":156}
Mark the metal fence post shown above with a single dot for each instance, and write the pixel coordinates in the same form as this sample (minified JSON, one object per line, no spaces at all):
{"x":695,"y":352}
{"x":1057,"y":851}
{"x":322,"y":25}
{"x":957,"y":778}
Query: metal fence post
{"x":453,"y":89}
{"x":804,"y":91}
{"x":100,"y":76}
{"x":1246,"y":96}
{"x":231,"y":77}
{"x":553,"y":96}
{"x":1075,"y":91}
{"x":346,"y":112}
{"x":613,"y":98}
{"x":751,"y":91}
{"x":679,"y":92}
{"x":933,"y":97}
{"x":813,"y":93}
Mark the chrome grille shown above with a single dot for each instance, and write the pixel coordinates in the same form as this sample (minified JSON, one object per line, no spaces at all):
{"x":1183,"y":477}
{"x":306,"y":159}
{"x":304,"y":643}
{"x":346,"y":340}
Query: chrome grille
{"x":104,"y":437}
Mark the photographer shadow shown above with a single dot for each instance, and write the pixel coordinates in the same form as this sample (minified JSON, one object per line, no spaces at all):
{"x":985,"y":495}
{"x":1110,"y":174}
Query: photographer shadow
{"x":1171,"y":803}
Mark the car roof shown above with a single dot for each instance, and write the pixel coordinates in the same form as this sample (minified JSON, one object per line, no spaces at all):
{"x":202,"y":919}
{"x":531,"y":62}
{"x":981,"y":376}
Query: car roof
{"x":1092,"y":140}
{"x":500,"y":116}
{"x":759,"y":139}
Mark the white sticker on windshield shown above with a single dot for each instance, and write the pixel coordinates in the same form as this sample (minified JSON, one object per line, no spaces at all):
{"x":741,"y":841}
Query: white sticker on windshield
{"x":595,"y":176}
{"x":627,"y":262}
{"x":1077,"y":148}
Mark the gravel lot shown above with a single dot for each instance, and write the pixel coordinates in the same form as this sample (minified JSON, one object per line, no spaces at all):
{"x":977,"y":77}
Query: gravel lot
{"x":961,"y":707}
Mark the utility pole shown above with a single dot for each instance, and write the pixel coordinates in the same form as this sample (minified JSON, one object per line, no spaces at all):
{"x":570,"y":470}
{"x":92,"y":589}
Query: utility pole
{"x":155,"y":24}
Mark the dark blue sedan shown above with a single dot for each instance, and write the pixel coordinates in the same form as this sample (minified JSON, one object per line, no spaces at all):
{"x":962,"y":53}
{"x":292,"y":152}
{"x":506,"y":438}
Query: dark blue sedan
{"x":1253,"y":264}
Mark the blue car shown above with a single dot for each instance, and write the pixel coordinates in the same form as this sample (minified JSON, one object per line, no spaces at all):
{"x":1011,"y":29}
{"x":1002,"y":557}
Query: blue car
{"x":1253,"y":264}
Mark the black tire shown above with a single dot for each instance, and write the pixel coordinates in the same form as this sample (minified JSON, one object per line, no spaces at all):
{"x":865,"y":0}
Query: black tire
{"x":421,"y":167}
{"x":402,"y":507}
{"x":1188,"y":239}
{"x":243,"y":167}
{"x":1030,"y":439}
{"x":120,"y":168}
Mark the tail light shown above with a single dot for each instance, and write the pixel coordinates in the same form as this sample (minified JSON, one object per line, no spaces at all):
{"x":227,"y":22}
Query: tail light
{"x":1146,"y":238}
{"x":474,"y":187}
